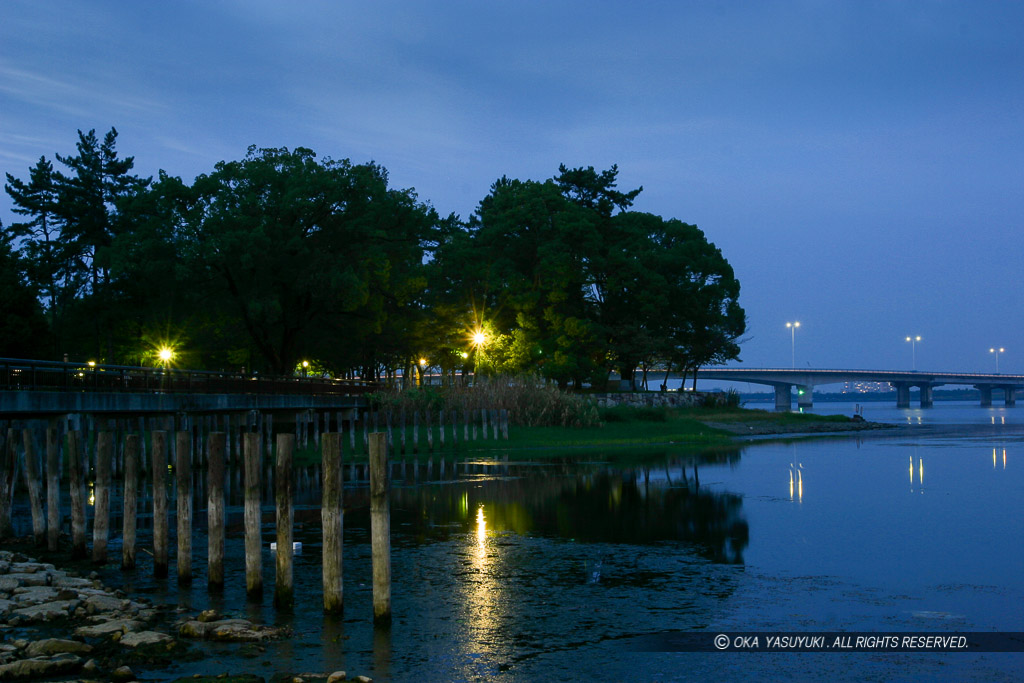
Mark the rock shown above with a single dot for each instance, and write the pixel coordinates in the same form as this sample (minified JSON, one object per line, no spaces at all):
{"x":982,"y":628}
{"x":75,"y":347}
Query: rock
{"x":91,"y":667}
{"x":108,"y":628}
{"x":37,"y":595}
{"x":337,"y":676}
{"x":195,"y":629}
{"x":209,"y":615}
{"x":105,"y":603}
{"x":40,"y":668}
{"x":71,"y":582}
{"x":8,"y":584}
{"x":52,"y":646}
{"x":138,"y":638}
{"x":45,"y":611}
{"x":363,"y":679}
{"x":30,"y":579}
{"x":122,"y":673}
{"x":231,"y":631}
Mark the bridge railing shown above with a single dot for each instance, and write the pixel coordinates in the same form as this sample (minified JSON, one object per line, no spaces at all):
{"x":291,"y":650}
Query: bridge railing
{"x":36,"y":375}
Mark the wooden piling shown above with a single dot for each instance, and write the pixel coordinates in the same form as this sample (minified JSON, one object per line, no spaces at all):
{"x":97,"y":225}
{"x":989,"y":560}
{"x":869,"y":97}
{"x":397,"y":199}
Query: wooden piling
{"x":52,"y":487}
{"x":440,"y":429}
{"x":415,"y":431}
{"x":455,"y":429}
{"x":333,"y":521}
{"x":504,"y":424}
{"x":253,"y":542}
{"x":75,"y":450}
{"x":483,"y":423}
{"x":494,"y":424}
{"x":284,"y":587}
{"x":380,"y":529}
{"x":183,"y":473}
{"x":33,"y":480}
{"x":161,"y":551}
{"x":430,"y":430}
{"x":131,"y":497}
{"x":217,"y":449}
{"x":101,"y":506}
{"x":8,"y":474}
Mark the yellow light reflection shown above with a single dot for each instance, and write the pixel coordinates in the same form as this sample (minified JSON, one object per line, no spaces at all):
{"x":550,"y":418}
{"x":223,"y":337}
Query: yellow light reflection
{"x":993,"y":458}
{"x":911,"y":472}
{"x":791,"y":483}
{"x":481,"y":530}
{"x":799,"y":487}
{"x":1004,"y":458}
{"x":92,"y":493}
{"x":920,"y":471}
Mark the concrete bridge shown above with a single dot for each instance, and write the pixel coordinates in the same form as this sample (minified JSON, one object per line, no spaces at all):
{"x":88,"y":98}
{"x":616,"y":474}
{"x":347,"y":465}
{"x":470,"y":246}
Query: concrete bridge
{"x":783,"y":380}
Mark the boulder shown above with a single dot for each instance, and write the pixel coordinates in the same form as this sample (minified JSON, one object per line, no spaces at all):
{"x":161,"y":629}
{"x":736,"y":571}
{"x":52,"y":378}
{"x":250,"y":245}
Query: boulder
{"x":52,"y":646}
{"x":46,"y":611}
{"x":39,"y":667}
{"x":109,"y":628}
{"x":138,"y":638}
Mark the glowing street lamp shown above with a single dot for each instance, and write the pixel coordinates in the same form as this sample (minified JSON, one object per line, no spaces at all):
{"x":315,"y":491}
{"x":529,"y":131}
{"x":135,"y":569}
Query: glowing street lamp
{"x":792,"y":326}
{"x":997,"y":352}
{"x":165,"y":354}
{"x":913,"y":351}
{"x":305,"y":368}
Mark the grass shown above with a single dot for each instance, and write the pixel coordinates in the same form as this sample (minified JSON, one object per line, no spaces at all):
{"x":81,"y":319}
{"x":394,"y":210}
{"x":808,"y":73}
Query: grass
{"x":623,"y":427}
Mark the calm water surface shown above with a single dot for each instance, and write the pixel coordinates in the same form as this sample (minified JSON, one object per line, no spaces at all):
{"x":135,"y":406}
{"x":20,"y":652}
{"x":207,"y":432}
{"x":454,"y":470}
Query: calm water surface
{"x":552,"y":570}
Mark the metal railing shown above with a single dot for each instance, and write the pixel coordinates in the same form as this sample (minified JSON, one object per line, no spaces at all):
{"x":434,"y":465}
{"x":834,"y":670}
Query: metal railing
{"x":40,"y":375}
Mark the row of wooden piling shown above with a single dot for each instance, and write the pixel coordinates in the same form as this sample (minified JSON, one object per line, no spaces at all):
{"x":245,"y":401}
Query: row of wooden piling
{"x":216,"y":447}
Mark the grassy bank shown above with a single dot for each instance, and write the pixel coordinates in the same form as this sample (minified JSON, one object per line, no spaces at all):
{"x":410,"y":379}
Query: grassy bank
{"x":628,"y":427}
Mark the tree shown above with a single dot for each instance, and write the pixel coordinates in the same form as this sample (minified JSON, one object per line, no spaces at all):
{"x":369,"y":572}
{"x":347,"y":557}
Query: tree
{"x":23,"y":328}
{"x":312,"y":257}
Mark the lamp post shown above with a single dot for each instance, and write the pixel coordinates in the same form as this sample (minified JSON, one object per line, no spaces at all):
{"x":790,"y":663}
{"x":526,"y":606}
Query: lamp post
{"x":792,"y":326}
{"x":913,"y":351}
{"x":997,"y":352}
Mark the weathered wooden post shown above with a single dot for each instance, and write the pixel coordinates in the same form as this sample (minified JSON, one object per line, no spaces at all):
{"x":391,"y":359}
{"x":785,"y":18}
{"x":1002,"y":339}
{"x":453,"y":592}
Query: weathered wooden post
{"x":483,"y":423}
{"x":455,"y":429}
{"x":183,"y":473}
{"x":333,"y":522}
{"x":33,"y":480}
{"x":440,"y":428}
{"x":494,"y":423}
{"x":380,"y":529}
{"x":430,"y":430}
{"x":402,"y":429}
{"x":8,"y":473}
{"x":284,"y":588}
{"x":217,"y":449}
{"x":101,"y":510}
{"x":78,"y":550}
{"x":161,"y":551}
{"x":131,"y":500}
{"x":415,"y":431}
{"x":52,"y":487}
{"x":253,"y":543}
{"x":504,"y":424}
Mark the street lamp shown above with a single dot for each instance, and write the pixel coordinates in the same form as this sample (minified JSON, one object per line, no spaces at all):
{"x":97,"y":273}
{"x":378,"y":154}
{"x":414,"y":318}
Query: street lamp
{"x":913,"y":351}
{"x":997,"y":352}
{"x":166,"y":354}
{"x":305,"y":368}
{"x":792,"y":326}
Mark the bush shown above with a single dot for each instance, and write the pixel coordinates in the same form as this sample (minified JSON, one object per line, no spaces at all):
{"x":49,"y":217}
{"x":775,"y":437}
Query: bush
{"x":530,"y":401}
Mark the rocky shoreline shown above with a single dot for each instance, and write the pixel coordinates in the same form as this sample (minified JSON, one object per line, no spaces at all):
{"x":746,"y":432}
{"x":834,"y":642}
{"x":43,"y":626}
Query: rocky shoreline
{"x":59,"y":626}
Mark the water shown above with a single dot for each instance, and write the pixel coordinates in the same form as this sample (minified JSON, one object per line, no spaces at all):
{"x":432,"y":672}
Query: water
{"x":553,"y":570}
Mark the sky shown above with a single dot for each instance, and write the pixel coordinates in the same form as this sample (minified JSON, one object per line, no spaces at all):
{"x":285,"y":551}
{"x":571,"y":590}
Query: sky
{"x":860,"y":164}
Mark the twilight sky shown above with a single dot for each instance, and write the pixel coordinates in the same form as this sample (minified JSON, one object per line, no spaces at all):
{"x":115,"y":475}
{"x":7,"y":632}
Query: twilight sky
{"x":860,"y":164}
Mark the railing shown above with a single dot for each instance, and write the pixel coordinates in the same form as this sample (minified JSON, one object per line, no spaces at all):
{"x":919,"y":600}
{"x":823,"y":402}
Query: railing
{"x":40,"y":375}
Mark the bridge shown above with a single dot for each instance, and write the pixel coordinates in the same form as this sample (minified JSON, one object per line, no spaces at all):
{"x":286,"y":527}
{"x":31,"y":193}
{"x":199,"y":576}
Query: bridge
{"x":32,"y":389}
{"x":783,"y":380}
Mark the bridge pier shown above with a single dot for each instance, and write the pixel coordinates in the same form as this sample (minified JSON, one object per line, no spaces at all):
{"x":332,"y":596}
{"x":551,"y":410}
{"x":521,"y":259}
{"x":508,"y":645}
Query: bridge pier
{"x":1010,"y":397}
{"x":926,"y":396}
{"x":986,"y":394}
{"x":783,"y":397}
{"x":804,"y":396}
{"x":902,"y":394}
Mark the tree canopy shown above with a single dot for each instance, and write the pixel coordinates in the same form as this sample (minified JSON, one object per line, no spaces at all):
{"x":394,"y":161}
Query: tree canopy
{"x":282,"y":256}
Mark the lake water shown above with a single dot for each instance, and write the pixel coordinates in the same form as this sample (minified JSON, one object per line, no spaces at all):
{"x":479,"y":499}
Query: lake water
{"x":558,"y":569}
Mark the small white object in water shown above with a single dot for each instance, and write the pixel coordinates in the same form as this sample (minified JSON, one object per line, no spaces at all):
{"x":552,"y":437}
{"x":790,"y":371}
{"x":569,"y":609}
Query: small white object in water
{"x":296,"y":546}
